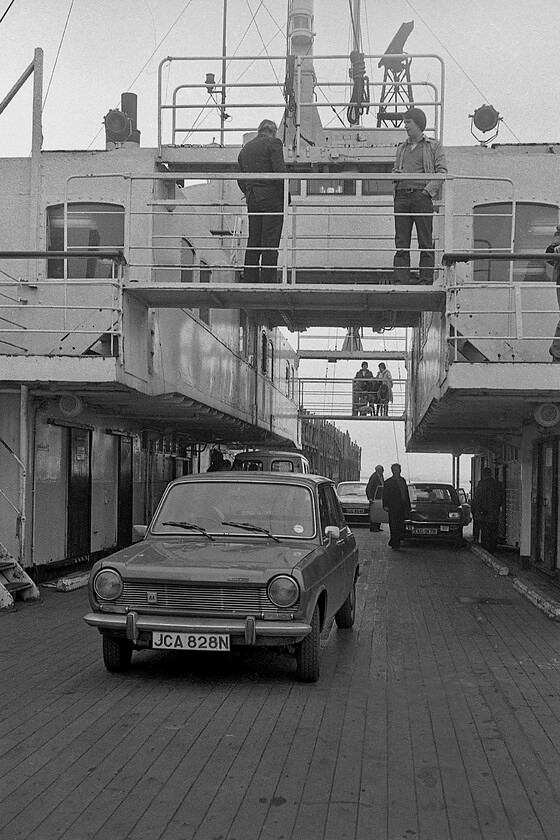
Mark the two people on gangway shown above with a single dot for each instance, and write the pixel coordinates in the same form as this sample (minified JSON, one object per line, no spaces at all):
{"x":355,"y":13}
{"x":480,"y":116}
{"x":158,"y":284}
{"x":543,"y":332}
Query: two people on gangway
{"x":413,"y":203}
{"x":372,"y":394}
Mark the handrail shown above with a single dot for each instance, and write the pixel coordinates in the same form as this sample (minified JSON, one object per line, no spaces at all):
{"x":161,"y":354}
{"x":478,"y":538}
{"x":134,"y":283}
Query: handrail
{"x":454,"y":257}
{"x":101,"y":253}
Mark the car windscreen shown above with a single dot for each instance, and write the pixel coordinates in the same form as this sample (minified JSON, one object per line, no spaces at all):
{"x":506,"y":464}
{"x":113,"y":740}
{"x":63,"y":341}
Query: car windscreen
{"x":285,"y":510}
{"x":351,"y":488}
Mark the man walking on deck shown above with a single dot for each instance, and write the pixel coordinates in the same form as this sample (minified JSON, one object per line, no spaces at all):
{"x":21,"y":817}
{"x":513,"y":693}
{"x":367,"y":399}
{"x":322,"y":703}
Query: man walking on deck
{"x":396,"y":502}
{"x":414,"y":198}
{"x":265,"y":203}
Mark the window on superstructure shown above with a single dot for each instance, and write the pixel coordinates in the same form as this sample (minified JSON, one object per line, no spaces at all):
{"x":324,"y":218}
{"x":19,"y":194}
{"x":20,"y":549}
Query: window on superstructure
{"x":89,"y":226}
{"x":533,"y":229}
{"x":331,"y":186}
{"x":188,"y":257}
{"x":378,"y":187}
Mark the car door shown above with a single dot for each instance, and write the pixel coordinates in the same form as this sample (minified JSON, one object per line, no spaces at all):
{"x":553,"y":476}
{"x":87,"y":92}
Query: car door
{"x":376,"y":512}
{"x":336,"y":551}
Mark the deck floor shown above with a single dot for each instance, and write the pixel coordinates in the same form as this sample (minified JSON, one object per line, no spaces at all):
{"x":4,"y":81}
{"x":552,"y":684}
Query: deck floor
{"x":436,"y":718}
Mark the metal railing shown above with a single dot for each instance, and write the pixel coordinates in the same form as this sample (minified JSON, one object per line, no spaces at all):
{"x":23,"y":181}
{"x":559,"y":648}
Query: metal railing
{"x":211,"y":104}
{"x":503,"y":321}
{"x":339,"y":398}
{"x":34,"y":312}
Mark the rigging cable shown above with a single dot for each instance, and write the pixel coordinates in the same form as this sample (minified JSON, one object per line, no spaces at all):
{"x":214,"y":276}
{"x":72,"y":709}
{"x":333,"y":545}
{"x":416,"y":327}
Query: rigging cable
{"x":58,"y":53}
{"x":7,"y":10}
{"x":175,"y":22}
{"x":450,"y":54}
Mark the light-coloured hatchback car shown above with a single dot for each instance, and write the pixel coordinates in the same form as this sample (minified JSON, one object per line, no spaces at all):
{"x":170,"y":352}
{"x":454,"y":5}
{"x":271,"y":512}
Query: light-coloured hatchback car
{"x":230,"y":559}
{"x":353,"y":501}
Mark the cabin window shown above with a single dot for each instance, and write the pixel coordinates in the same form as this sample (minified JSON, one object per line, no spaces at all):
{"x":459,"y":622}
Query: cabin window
{"x":331,"y":186}
{"x":89,"y":225}
{"x":264,"y":352}
{"x":534,"y":227}
{"x":372,"y":187}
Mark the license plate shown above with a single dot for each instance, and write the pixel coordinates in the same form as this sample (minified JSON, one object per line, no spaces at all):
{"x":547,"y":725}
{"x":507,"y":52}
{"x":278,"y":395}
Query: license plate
{"x":357,"y":510}
{"x":428,"y":531}
{"x":190,"y":641}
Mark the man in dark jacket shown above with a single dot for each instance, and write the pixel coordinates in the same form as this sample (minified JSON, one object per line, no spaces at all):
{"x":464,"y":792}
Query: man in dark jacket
{"x":396,"y":502}
{"x":265,"y":203}
{"x":375,"y":480}
{"x":487,"y":501}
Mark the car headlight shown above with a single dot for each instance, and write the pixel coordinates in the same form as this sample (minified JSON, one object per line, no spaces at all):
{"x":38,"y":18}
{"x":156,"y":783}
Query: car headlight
{"x":283,"y":591}
{"x":454,"y":514}
{"x":108,"y":585}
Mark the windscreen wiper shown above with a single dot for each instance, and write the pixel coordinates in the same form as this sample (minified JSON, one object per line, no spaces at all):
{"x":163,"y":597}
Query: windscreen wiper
{"x":248,"y":526}
{"x":189,"y":527}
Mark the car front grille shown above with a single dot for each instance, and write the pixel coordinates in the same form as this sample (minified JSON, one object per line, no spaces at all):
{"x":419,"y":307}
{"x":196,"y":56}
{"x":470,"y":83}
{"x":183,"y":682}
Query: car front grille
{"x":195,"y":599}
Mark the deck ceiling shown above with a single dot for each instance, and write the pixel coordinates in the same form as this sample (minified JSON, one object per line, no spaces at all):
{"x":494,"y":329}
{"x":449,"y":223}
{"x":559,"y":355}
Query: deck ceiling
{"x":299,"y":307}
{"x":472,"y":420}
{"x":171,"y":413}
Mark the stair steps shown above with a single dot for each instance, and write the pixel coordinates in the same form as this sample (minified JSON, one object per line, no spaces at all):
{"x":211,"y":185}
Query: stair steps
{"x":14,"y":579}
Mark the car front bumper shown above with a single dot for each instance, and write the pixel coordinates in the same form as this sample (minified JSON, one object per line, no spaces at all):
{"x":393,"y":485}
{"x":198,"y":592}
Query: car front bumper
{"x":243,"y":631}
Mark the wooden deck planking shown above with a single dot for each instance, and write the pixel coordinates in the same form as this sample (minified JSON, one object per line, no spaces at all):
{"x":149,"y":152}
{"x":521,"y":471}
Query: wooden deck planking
{"x":438,"y":717}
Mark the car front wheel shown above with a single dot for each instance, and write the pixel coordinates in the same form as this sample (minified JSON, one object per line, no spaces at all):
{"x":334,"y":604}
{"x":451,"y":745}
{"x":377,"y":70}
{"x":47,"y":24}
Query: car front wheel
{"x":345,"y":616}
{"x":117,"y":654}
{"x":307,"y":652}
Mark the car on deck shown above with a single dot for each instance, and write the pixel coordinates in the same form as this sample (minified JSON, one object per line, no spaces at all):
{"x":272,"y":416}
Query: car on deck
{"x":353,"y":501}
{"x":230,"y":560}
{"x":436,"y":512}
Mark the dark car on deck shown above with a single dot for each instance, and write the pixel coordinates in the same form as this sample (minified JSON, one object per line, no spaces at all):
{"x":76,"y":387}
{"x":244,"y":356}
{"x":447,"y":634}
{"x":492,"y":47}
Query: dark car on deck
{"x":230,"y":559}
{"x":353,"y":501}
{"x":436,"y":512}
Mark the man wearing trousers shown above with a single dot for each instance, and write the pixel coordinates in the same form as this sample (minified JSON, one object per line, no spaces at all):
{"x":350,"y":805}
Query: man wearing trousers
{"x":375,"y":480}
{"x":396,"y":502}
{"x":414,"y":198}
{"x":265,"y":203}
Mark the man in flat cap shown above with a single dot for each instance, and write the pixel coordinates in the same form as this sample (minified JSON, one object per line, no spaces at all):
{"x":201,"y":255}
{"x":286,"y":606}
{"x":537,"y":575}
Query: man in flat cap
{"x":414,"y":198}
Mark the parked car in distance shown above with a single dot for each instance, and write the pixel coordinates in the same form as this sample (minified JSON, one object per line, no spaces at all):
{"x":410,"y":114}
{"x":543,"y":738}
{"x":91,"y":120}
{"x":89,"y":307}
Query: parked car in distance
{"x":271,"y":460}
{"x":230,"y":559}
{"x":353,"y":501}
{"x":436,"y":512}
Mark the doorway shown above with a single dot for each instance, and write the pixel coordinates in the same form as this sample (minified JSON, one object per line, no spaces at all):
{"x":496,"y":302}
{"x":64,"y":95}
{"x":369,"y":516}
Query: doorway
{"x":545,"y":506}
{"x":78,"y":539}
{"x":124,"y":493}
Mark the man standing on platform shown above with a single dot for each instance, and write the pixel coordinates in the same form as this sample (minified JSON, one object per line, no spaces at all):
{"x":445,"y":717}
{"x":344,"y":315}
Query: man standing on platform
{"x":375,"y":480}
{"x":487,"y":502}
{"x":396,"y":502}
{"x":414,"y":198}
{"x":265,"y":203}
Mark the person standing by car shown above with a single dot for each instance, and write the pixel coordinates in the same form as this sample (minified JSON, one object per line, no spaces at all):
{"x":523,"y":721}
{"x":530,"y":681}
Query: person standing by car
{"x":375,"y":480}
{"x":486,"y":506}
{"x":265,"y":203}
{"x":396,"y":502}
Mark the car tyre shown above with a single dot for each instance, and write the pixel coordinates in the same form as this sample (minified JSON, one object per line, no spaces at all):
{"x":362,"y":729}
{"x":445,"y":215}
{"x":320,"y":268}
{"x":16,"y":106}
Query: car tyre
{"x":117,"y":654}
{"x":345,"y":616}
{"x":308,"y":650}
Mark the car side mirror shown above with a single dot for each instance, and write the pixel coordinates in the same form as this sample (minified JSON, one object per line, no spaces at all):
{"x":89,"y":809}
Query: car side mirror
{"x":332,"y":532}
{"x":138,"y":532}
